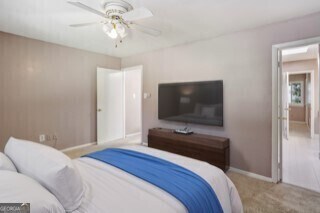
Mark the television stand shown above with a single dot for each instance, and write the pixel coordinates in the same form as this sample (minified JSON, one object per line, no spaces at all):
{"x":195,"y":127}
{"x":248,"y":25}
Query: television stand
{"x":212,"y":149}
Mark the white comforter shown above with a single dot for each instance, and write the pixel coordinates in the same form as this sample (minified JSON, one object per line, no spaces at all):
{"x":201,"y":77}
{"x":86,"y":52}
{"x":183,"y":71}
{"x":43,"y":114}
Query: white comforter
{"x":109,"y":189}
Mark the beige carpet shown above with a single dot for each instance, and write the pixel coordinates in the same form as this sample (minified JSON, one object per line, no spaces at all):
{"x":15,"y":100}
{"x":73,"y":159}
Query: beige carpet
{"x":260,"y":196}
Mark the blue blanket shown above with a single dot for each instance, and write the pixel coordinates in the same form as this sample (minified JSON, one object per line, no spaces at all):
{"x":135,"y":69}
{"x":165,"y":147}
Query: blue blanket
{"x":189,"y":188}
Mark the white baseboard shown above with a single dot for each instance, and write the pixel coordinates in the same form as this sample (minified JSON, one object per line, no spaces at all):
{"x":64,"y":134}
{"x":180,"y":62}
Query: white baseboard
{"x":133,"y":134}
{"x":249,"y":174}
{"x":78,"y":147}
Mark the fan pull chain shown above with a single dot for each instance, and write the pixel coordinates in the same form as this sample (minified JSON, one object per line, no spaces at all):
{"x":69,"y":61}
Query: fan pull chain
{"x":116,"y":45}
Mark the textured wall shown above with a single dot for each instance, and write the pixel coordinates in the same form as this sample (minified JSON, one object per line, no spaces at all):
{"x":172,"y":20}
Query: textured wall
{"x":48,"y":89}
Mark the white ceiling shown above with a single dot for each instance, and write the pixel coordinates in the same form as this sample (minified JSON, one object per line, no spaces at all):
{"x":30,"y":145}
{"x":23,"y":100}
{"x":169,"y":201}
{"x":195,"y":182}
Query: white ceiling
{"x":180,"y":21}
{"x":312,"y":53}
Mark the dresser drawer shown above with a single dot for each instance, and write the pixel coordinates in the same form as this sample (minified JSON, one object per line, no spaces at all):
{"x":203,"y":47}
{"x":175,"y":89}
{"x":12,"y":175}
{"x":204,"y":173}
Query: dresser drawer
{"x":214,"y":156}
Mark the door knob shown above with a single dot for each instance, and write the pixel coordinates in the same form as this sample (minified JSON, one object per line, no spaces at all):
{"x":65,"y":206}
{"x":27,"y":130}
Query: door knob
{"x":99,"y":110}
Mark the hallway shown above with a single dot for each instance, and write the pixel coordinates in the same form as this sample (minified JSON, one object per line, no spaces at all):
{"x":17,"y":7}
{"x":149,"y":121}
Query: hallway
{"x":301,"y":163}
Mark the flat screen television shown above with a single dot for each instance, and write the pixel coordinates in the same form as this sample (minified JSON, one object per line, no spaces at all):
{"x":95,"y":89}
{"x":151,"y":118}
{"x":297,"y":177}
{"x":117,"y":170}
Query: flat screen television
{"x":192,"y":102}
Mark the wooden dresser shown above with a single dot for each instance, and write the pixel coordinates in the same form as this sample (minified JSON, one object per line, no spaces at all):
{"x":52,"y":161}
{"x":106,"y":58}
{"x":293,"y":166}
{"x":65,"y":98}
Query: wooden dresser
{"x":212,"y":149}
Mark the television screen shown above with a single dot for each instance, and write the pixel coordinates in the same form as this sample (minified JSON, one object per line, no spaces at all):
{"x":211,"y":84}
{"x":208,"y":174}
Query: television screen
{"x":192,"y":102}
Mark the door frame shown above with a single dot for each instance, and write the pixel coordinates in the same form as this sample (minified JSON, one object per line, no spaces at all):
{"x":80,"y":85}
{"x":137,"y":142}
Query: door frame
{"x":98,"y":107}
{"x":277,"y":105}
{"x":124,"y":70}
{"x":312,"y":111}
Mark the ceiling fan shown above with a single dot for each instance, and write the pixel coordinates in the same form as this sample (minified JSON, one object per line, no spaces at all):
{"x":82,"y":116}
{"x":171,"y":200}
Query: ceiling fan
{"x":118,"y":17}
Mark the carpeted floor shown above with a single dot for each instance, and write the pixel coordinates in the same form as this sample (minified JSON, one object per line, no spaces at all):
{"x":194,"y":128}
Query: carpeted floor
{"x":259,"y":196}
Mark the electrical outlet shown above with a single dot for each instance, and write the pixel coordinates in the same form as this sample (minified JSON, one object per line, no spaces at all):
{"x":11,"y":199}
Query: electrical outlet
{"x":42,"y":138}
{"x":55,"y":140}
{"x":48,"y":138}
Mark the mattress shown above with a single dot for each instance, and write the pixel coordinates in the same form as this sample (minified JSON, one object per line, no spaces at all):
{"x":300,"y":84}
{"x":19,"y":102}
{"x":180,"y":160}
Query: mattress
{"x":109,"y":189}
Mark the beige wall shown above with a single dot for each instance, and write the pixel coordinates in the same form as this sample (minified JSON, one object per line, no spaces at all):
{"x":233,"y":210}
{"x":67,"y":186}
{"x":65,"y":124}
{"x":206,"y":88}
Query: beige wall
{"x":133,"y":101}
{"x":304,"y":65}
{"x":48,"y":89}
{"x":243,"y":61}
{"x":297,"y":113}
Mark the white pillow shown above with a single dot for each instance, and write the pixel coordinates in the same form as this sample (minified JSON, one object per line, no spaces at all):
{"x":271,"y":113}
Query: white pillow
{"x":50,"y":167}
{"x":6,"y":163}
{"x":18,"y":188}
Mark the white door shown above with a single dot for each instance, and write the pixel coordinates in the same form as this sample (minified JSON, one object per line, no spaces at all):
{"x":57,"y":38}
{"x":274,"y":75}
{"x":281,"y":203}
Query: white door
{"x":317,"y":112}
{"x":110,"y":105}
{"x":312,"y":109}
{"x":285,"y":105}
{"x":282,"y":113}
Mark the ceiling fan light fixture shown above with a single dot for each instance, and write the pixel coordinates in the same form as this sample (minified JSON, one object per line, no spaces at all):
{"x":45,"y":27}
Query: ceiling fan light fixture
{"x":118,"y":18}
{"x":107,"y":27}
{"x":121,"y":30}
{"x":114,"y":30}
{"x":110,"y":30}
{"x":113,"y":34}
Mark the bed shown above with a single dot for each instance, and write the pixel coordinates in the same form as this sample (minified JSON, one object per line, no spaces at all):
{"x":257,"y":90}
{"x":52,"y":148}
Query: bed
{"x":127,"y":193}
{"x":86,"y":185}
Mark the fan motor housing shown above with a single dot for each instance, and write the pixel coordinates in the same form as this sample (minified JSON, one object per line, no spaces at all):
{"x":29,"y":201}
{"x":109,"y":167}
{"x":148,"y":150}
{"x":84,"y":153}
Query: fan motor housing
{"x":115,"y":8}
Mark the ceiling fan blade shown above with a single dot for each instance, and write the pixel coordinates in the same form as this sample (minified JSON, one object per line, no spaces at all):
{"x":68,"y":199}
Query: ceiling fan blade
{"x":87,"y":8}
{"x":144,"y":29}
{"x":84,"y":24}
{"x":137,"y":14}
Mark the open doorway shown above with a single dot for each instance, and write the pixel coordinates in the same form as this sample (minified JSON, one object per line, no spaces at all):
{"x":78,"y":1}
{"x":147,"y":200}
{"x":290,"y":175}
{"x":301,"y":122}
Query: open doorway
{"x":133,"y":103}
{"x":119,"y":105}
{"x":300,"y":97}
{"x":297,"y":125}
